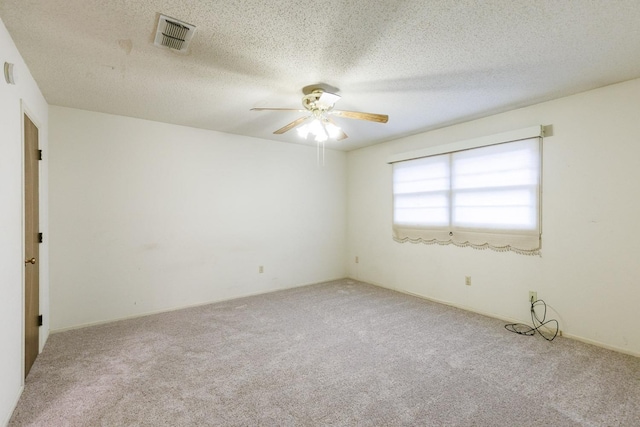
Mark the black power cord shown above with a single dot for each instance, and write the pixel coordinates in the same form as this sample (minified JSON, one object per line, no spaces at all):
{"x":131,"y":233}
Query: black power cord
{"x":522,"y":329}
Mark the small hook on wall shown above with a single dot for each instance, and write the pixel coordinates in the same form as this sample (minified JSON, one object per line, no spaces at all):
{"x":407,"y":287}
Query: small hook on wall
{"x":8,"y":73}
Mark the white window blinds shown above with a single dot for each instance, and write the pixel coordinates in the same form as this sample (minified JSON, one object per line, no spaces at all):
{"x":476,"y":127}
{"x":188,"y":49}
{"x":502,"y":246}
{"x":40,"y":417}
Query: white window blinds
{"x":486,"y":197}
{"x":422,"y":192}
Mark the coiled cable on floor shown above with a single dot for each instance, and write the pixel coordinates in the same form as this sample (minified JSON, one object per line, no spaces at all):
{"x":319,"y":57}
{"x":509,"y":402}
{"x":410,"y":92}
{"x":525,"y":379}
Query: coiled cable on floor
{"x":523,"y":329}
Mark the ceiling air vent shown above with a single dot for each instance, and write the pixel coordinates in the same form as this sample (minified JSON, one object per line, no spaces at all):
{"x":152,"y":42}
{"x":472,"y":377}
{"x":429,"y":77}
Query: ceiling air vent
{"x":173,"y":34}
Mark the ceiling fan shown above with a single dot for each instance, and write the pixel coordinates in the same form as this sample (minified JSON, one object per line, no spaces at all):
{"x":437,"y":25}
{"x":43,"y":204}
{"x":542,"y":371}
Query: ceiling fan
{"x":318,"y":104}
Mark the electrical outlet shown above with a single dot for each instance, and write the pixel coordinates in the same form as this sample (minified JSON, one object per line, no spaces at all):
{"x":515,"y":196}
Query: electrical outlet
{"x":467,"y":280}
{"x":260,"y":269}
{"x":533,"y":296}
{"x":357,"y":260}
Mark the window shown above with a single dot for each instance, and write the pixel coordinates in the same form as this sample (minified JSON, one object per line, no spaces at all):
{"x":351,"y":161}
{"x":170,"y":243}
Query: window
{"x":486,"y":197}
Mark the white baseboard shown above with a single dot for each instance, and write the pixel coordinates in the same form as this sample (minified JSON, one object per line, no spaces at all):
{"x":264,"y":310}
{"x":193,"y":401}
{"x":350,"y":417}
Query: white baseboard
{"x":444,"y":302}
{"x":603,"y":345}
{"x":436,"y":300}
{"x":563,"y":333}
{"x":5,"y":423}
{"x":168,"y":310}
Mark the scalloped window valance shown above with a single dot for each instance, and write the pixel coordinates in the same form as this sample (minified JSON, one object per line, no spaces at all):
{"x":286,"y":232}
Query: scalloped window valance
{"x":481,"y":193}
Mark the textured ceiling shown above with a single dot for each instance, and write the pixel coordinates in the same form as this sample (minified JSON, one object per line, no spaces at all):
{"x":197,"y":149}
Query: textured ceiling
{"x":426,"y":64}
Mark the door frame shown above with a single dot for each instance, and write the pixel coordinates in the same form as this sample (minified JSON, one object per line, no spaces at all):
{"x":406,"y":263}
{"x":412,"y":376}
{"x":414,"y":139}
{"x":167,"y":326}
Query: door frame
{"x":25,"y":110}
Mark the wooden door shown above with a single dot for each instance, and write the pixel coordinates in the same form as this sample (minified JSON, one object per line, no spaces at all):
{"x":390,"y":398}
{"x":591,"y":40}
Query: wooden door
{"x":31,"y":237}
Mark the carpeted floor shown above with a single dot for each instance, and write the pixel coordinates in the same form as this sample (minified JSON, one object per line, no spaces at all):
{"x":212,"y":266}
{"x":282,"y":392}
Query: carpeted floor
{"x":337,"y":353}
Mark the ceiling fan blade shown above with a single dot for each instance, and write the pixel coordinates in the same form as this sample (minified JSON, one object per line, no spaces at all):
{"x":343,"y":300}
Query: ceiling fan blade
{"x":380,"y":118}
{"x":278,"y":109}
{"x":291,"y":125}
{"x":342,"y":135}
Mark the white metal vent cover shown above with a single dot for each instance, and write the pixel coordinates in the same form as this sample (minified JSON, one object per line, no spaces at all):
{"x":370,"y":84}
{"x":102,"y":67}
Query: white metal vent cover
{"x":173,"y":34}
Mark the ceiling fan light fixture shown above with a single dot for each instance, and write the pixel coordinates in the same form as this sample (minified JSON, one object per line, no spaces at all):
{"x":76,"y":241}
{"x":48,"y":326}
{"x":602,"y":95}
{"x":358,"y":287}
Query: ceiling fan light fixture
{"x":319,"y":107}
{"x":333,"y":130}
{"x":303,"y":131}
{"x":315,"y":127}
{"x":320,"y":129}
{"x":321,"y":137}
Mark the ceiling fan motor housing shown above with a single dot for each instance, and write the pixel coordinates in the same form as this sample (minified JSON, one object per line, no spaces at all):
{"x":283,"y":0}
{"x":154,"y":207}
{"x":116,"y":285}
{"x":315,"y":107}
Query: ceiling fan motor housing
{"x":319,"y":101}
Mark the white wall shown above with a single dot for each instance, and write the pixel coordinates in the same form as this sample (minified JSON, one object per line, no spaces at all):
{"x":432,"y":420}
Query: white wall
{"x":147,"y":216}
{"x":11,"y":220}
{"x":589,"y":268}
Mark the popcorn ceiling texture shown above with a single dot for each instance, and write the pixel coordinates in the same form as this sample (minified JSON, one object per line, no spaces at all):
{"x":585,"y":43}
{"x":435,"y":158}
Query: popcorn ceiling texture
{"x":425,"y":63}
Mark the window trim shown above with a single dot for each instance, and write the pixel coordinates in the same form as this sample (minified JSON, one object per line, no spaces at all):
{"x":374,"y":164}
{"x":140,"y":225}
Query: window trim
{"x":484,"y":141}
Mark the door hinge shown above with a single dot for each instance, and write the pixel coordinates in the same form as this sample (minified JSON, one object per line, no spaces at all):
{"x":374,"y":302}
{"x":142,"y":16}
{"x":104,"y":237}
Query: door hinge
{"x":40,"y":237}
{"x":40,"y":320}
{"x":39,"y":154}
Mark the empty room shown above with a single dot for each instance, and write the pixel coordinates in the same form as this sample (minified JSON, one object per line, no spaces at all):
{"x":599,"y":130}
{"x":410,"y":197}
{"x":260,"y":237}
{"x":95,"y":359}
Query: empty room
{"x":354,"y":213}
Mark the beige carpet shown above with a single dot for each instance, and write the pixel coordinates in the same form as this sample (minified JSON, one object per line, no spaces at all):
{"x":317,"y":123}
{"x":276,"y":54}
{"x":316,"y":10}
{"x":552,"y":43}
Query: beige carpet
{"x":338,"y":353}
